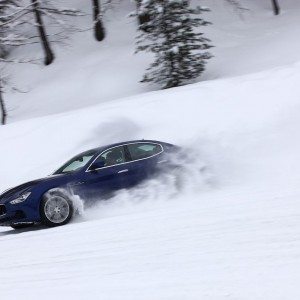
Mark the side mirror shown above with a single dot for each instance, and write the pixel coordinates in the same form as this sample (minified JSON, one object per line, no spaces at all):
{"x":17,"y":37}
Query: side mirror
{"x":97,"y":165}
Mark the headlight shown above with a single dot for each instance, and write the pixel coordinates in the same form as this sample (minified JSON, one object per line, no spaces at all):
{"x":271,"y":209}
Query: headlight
{"x":21,"y":198}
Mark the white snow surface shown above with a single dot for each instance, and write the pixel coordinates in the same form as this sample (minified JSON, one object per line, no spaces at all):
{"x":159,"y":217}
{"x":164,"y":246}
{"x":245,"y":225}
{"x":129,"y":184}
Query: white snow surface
{"x":231,"y":232}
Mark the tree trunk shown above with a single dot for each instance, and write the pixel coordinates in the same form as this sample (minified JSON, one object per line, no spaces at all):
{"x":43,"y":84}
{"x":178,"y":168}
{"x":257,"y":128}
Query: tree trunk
{"x":49,"y":56}
{"x":276,"y":7}
{"x":98,"y":27}
{"x":143,"y":17}
{"x":2,"y":108}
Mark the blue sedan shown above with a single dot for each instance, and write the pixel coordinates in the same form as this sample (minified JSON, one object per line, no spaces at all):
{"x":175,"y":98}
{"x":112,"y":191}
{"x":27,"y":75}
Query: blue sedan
{"x":92,"y":175}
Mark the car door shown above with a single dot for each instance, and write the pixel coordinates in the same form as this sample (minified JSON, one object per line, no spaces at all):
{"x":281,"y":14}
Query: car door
{"x":145,"y":157}
{"x":109,"y":177}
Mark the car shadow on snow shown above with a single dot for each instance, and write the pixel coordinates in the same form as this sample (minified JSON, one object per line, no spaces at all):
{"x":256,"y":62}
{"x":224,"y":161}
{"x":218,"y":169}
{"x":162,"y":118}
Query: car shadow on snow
{"x":23,"y":230}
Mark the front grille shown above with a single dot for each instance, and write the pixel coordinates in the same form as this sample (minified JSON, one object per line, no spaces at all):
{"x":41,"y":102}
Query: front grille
{"x":2,"y":210}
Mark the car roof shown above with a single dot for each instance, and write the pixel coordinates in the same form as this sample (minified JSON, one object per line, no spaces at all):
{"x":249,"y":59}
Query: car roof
{"x":99,"y":149}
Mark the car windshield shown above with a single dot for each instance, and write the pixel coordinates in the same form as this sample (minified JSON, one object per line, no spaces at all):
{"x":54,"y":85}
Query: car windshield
{"x":76,"y":163}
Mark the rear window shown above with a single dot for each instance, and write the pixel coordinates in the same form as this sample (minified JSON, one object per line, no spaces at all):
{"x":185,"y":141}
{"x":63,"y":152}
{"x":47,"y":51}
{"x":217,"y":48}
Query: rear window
{"x":143,"y":150}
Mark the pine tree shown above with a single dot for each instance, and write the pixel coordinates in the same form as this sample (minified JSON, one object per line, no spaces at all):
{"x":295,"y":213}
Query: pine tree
{"x":180,"y":53}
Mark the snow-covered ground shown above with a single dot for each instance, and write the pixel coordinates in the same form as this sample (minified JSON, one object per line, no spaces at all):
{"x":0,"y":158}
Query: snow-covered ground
{"x":231,"y":233}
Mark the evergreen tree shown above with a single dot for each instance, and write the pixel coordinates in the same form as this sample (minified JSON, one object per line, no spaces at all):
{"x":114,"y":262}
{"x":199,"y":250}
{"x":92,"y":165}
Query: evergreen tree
{"x":179,"y":51}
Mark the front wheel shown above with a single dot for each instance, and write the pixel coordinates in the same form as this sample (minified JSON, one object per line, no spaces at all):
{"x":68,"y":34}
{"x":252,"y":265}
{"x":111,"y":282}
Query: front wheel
{"x":56,"y":210}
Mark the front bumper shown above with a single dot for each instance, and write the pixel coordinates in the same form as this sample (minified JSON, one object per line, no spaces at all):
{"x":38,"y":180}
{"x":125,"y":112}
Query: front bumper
{"x":15,"y":214}
{"x":11,"y":217}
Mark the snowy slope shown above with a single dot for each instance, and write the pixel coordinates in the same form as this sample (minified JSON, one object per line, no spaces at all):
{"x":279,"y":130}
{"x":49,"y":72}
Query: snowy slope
{"x":233,"y":236}
{"x":231,"y":233}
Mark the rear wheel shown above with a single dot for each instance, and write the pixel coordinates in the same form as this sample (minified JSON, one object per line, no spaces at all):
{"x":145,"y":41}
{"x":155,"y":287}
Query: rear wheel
{"x":56,"y":210}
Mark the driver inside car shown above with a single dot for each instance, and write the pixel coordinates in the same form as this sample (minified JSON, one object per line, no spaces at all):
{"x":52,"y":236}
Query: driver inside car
{"x":113,"y":158}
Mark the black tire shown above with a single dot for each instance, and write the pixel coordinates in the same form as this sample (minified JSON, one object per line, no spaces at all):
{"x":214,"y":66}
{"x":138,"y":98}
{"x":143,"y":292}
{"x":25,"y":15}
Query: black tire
{"x":56,"y":210}
{"x":20,"y":226}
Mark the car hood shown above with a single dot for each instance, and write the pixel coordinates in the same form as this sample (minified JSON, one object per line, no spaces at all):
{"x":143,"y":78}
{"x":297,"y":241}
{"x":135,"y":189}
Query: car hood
{"x":52,"y":179}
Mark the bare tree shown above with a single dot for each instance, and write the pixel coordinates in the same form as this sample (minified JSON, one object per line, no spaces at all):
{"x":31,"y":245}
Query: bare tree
{"x":276,"y":7}
{"x":8,"y":38}
{"x":20,"y":15}
{"x":3,"y":48}
{"x":2,"y":105}
{"x":57,"y":16}
{"x":238,"y":7}
{"x":49,"y":56}
{"x":98,"y":26}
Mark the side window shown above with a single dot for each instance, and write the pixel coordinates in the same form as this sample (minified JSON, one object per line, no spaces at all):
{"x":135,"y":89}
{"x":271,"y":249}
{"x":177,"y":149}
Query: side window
{"x":143,"y":150}
{"x":112,"y":157}
{"x":76,"y":164}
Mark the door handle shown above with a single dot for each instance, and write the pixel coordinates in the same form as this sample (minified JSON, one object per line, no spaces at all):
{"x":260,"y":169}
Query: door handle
{"x":123,"y":171}
{"x":162,"y":161}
